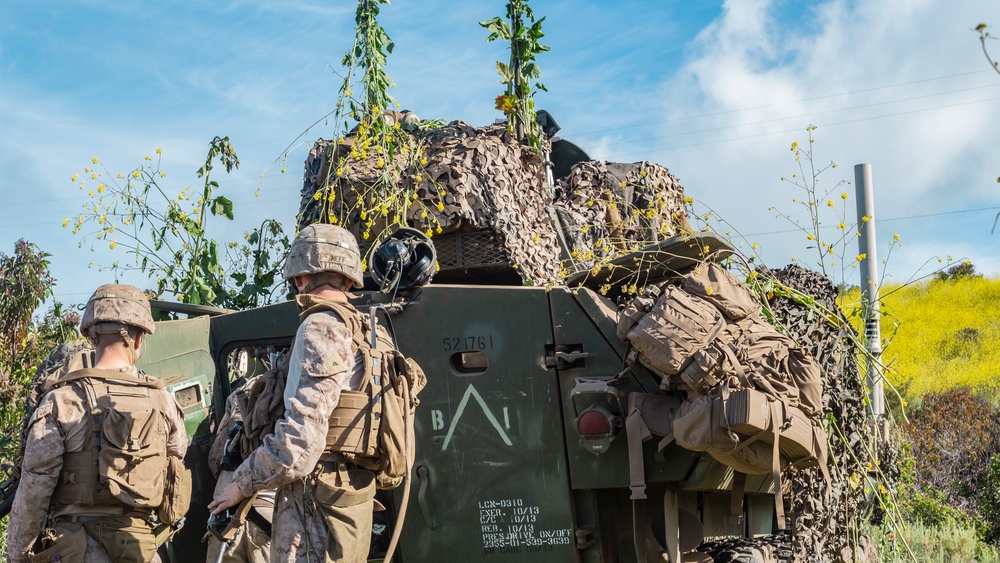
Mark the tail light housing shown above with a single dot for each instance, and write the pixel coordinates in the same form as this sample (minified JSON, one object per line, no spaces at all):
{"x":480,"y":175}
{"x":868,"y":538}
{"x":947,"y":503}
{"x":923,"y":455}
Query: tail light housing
{"x":598,"y":409}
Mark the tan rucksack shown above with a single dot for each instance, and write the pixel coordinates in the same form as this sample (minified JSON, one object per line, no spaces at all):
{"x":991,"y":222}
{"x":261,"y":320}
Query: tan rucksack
{"x":750,"y":390}
{"x":124,"y":458}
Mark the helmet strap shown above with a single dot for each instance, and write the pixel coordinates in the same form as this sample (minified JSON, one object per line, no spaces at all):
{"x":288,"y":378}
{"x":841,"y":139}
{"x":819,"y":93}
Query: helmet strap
{"x":130,"y":343}
{"x":334,"y":280}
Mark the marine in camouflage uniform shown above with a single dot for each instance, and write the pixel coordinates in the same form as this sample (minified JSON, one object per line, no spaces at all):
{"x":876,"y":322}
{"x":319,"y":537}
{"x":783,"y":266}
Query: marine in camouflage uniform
{"x":251,"y":544}
{"x":59,"y":427}
{"x":313,"y":522}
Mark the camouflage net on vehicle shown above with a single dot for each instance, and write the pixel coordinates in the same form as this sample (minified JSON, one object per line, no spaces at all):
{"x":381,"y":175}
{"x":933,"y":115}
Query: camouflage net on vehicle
{"x":458,"y":179}
{"x":610,"y":209}
{"x":825,"y":528}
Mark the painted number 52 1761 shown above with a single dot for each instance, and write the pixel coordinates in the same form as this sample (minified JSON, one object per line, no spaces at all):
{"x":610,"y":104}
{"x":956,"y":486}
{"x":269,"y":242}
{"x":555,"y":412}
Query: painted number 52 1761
{"x":467,"y":343}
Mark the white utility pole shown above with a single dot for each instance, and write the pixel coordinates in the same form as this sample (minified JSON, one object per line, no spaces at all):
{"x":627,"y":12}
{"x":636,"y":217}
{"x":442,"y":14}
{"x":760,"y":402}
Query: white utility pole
{"x":864,"y":189}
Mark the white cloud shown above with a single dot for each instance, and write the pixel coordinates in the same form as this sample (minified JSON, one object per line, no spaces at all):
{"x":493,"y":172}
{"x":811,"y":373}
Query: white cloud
{"x":928,"y":159}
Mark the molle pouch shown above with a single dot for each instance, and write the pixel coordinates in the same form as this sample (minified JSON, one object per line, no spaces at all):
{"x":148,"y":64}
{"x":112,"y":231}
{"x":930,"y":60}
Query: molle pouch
{"x":675,"y":328}
{"x":340,"y":487}
{"x":65,"y":542}
{"x":705,"y":371}
{"x":177,"y":495}
{"x":631,"y":314}
{"x":126,"y":539}
{"x":132,"y":460}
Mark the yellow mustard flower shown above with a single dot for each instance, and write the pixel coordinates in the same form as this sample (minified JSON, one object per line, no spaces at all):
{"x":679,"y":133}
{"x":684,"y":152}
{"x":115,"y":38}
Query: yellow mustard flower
{"x":504,"y":103}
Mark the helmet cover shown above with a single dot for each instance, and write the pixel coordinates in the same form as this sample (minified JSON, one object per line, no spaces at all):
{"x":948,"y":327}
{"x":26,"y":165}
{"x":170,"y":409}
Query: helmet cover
{"x":117,"y":303}
{"x":324,"y":248}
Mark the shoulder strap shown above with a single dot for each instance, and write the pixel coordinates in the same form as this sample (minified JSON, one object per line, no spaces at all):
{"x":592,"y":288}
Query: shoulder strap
{"x":311,"y":305}
{"x":108,"y":375}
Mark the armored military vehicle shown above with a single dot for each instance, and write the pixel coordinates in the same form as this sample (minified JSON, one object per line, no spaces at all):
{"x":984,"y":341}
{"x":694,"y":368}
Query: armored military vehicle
{"x":525,"y":450}
{"x":520,"y":438}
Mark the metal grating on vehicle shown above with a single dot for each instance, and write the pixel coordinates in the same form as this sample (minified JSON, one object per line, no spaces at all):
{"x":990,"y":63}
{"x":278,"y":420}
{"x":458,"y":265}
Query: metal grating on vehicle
{"x":470,"y":249}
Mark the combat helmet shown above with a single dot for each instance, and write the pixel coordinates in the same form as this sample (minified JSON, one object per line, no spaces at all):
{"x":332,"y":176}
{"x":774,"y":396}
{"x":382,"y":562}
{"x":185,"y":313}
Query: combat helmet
{"x":112,"y":309}
{"x":116,"y":304}
{"x":323,"y":248}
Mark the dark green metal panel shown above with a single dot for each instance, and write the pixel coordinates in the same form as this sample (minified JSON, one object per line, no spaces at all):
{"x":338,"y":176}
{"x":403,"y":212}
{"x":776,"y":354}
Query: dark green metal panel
{"x":178,"y":352}
{"x":490,"y":481}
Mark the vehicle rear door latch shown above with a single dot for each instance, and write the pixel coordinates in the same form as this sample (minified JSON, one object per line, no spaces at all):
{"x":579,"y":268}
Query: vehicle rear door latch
{"x":565,"y":356}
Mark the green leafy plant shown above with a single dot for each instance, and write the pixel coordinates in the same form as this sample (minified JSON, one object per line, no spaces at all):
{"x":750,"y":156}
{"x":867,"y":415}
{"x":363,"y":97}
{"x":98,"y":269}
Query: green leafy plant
{"x":989,"y":500}
{"x":164,"y":231}
{"x":377,"y":165}
{"x":25,"y":283}
{"x":517,"y":102}
{"x":257,"y":266}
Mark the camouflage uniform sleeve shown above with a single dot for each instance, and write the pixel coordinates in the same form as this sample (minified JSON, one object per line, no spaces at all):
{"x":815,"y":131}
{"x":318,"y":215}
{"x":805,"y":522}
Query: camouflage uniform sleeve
{"x":40,"y":470}
{"x":320,"y":366}
{"x":177,"y":438}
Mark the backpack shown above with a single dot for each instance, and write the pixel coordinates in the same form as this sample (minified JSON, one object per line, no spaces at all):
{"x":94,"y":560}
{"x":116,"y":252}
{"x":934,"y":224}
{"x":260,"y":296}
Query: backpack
{"x":124,"y":457}
{"x":67,"y":357}
{"x":751,"y":391}
{"x":260,"y":404}
{"x":705,"y":331}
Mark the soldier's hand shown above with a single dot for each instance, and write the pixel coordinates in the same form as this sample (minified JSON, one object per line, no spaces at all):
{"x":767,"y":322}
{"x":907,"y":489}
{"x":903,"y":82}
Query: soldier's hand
{"x":231,"y":496}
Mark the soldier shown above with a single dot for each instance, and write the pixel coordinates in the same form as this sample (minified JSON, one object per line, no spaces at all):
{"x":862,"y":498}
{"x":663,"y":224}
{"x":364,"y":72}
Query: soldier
{"x":103,"y":450}
{"x":252,"y":542}
{"x":324,"y":504}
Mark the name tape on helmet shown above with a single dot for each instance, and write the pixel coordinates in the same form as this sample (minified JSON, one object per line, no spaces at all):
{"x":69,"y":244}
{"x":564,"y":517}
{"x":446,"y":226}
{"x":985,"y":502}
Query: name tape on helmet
{"x":339,"y":243}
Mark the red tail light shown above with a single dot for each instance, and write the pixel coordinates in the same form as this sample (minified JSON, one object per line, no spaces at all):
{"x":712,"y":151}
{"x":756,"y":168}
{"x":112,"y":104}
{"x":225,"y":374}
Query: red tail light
{"x":593,"y":424}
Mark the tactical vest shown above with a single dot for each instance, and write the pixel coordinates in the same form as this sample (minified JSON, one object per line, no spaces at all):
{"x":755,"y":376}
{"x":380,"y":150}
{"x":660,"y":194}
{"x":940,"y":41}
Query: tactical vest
{"x":124,"y":455}
{"x":369,"y":426}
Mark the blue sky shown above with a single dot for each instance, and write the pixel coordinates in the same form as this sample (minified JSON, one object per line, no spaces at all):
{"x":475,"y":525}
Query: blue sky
{"x":714,"y":91}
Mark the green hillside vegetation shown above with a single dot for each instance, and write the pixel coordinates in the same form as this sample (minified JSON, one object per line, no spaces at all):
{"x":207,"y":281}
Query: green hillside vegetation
{"x":940,"y":341}
{"x":941,"y":335}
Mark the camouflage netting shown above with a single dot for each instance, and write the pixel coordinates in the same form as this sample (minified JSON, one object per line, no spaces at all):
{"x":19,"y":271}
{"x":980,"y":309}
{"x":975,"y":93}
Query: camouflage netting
{"x":477,"y":180}
{"x":609,"y":209}
{"x":825,"y":528}
{"x":473,"y":179}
